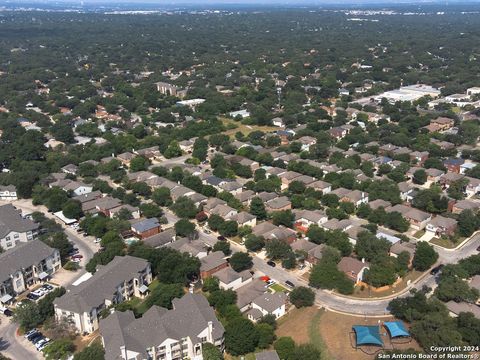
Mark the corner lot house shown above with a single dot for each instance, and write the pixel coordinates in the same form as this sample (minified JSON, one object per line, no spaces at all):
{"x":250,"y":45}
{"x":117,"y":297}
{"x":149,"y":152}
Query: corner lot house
{"x":25,"y":265}
{"x":163,"y":334}
{"x":14,"y":229}
{"x":268,"y":303}
{"x":353,"y":268}
{"x":120,"y":280}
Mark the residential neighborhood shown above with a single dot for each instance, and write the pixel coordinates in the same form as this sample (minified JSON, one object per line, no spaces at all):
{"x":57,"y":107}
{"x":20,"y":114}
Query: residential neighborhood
{"x":239,"y":183}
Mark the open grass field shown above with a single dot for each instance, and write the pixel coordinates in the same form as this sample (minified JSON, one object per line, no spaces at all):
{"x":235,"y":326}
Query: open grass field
{"x":245,"y":129}
{"x":335,"y":331}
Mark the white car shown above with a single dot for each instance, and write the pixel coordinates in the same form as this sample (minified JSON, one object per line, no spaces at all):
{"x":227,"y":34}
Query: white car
{"x":97,"y":240}
{"x":42,"y":343}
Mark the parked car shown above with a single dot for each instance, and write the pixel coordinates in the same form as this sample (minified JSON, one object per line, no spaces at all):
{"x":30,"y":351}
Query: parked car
{"x":221,"y":238}
{"x":436,"y":270}
{"x":77,"y":256}
{"x":36,"y":337}
{"x":30,"y":333}
{"x":42,"y":343}
{"x":33,"y":297}
{"x":97,"y":240}
{"x":289,"y":284}
{"x":207,"y":231}
{"x":270,"y":282}
{"x":6,"y":311}
{"x":76,"y":260}
{"x":478,"y":248}
{"x":271,"y":263}
{"x":48,"y":287}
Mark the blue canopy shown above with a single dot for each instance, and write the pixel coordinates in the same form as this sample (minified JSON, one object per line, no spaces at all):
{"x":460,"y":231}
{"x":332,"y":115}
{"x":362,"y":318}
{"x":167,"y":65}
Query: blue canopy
{"x":396,"y":328}
{"x":367,"y":335}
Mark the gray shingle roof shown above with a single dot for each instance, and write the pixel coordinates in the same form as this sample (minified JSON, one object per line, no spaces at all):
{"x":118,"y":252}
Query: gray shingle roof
{"x":11,"y":220}
{"x":102,"y":285}
{"x":188,"y":318}
{"x":23,"y":255}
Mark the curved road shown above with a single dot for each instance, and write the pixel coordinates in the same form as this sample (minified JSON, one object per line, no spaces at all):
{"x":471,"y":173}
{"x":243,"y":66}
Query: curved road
{"x":366,"y":307}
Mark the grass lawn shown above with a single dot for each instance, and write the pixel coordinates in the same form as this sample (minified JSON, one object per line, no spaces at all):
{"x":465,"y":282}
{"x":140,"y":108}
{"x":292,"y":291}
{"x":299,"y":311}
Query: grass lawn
{"x":419,"y":234}
{"x":244,"y":129}
{"x":335,"y":331}
{"x":446,"y":243}
{"x":278,"y":288}
{"x":140,"y":305}
{"x":366,"y":293}
{"x":315,"y":336}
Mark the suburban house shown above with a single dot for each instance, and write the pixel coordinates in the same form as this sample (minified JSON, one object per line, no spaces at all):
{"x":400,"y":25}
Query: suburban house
{"x":418,"y":219}
{"x":14,"y":229}
{"x":455,"y":308}
{"x":71,"y":169}
{"x":212,"y":263}
{"x":322,"y":186}
{"x":268,"y":304}
{"x":305,"y":218}
{"x":356,"y":197}
{"x":144,"y":228}
{"x":230,"y":279}
{"x":125,"y":158}
{"x":120,"y":280}
{"x":8,"y":193}
{"x":24,"y":266}
{"x":280,"y":203}
{"x":195,"y":248}
{"x":353,"y":268}
{"x":163,"y":334}
{"x":461,"y":205}
{"x":453,"y":165}
{"x":76,"y":187}
{"x":440,"y":226}
{"x":244,"y":218}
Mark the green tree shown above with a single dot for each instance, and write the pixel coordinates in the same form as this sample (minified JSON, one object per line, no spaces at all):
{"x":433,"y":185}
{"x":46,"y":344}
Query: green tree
{"x":72,"y":209}
{"x":241,"y":261}
{"x":184,"y":228}
{"x":163,"y":294}
{"x":266,"y":335}
{"x":277,"y":249}
{"x":425,"y":256}
{"x":211,"y":352}
{"x":285,"y":347}
{"x":419,"y":177}
{"x":302,"y":296}
{"x":173,"y":150}
{"x":162,"y":197}
{"x":91,"y":352}
{"x":284,"y":217}
{"x":184,"y":208}
{"x":139,"y":163}
{"x":223,"y":246}
{"x":254,"y":243}
{"x":228,"y":228}
{"x":241,"y":336}
{"x":257,"y":208}
{"x":60,"y":349}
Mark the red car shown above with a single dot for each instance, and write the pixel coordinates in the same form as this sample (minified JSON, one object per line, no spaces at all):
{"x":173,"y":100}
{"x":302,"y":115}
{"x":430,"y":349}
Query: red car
{"x":77,"y":256}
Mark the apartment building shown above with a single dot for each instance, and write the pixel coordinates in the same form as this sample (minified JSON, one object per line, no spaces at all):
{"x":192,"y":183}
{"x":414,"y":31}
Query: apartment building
{"x":24,"y":266}
{"x":163,"y":334}
{"x":120,"y":280}
{"x":14,"y":229}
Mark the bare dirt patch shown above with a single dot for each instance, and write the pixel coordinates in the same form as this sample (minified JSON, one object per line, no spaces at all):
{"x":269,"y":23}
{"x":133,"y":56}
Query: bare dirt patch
{"x":296,"y":324}
{"x":335,"y":330}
